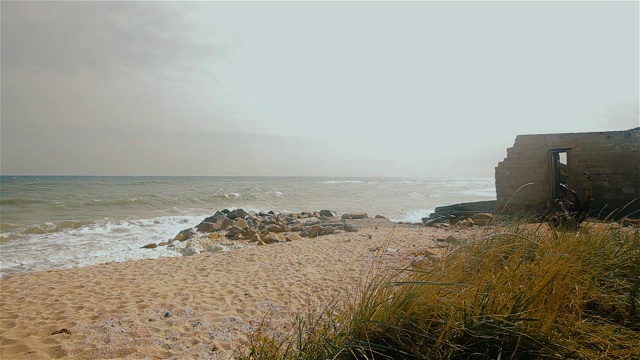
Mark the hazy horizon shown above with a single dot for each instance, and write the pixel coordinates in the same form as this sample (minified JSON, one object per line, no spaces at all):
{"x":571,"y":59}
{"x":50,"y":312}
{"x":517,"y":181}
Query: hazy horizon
{"x":349,"y":89}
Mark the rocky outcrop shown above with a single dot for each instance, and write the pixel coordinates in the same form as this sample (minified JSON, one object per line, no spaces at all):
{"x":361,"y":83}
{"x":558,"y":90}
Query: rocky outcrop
{"x":237,"y":228}
{"x":477,"y":213}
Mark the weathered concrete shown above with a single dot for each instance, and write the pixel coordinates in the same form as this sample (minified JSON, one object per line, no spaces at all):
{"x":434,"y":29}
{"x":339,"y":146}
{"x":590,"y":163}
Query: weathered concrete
{"x":612,"y":158}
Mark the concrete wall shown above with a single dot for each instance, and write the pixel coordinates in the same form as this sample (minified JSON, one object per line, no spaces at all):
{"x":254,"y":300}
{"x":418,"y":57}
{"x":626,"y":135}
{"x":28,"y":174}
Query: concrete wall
{"x":612,"y":158}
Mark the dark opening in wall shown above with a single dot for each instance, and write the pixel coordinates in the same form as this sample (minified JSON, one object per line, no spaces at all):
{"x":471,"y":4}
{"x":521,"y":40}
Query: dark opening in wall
{"x":559,"y":169}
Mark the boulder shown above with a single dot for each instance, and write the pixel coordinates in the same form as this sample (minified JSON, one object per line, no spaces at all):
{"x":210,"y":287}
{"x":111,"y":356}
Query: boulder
{"x":217,"y":216}
{"x":482,"y":219}
{"x":241,"y":223}
{"x":470,"y":207}
{"x":467,"y":222}
{"x":292,"y":237}
{"x":433,"y":222}
{"x":256,"y":237}
{"x":234,"y":232}
{"x":237,"y":214}
{"x":184,"y":235}
{"x":223,"y":224}
{"x":206,"y":227}
{"x":359,"y":215}
{"x":276,"y":228}
{"x":326,"y":230}
{"x":150,"y":246}
{"x":272,"y":238}
{"x":295,"y":227}
{"x":328,"y":213}
{"x":314,"y":231}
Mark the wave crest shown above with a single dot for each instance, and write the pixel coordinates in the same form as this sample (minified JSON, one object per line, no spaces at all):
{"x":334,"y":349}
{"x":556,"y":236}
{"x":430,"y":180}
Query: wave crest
{"x":20,"y":201}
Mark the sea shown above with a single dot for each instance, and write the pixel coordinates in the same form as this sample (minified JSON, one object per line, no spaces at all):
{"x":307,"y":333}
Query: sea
{"x":56,"y":222}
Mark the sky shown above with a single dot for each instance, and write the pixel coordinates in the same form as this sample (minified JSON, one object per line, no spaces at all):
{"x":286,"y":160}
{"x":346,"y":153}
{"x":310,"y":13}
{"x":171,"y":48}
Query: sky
{"x":415,"y":89}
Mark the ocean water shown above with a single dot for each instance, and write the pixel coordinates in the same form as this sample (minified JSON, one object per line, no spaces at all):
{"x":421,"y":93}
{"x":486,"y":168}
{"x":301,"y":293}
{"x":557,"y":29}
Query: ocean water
{"x":52,"y":222}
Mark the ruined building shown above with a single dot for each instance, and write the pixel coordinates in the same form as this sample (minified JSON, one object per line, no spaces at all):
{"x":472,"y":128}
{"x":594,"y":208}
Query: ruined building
{"x":612,"y":158}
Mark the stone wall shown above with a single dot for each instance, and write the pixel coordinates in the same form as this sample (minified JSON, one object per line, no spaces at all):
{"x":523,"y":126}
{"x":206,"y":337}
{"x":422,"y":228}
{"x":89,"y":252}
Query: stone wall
{"x":612,"y":158}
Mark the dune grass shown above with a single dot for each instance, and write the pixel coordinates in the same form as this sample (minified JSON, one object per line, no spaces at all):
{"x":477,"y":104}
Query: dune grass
{"x":514,"y":293}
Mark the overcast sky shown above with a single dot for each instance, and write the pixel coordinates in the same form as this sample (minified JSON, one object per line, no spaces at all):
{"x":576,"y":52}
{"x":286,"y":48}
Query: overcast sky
{"x":306,"y":88}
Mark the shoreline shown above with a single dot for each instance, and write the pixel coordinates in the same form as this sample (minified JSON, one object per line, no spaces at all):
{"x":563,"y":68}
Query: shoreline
{"x":197,"y":306}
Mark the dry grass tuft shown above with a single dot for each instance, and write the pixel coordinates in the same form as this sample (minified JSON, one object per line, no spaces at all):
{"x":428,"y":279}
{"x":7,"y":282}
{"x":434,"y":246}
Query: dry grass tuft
{"x":517,"y":293}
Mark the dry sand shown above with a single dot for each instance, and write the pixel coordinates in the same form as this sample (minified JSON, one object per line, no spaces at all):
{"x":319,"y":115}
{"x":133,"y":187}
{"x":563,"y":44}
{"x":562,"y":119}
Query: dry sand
{"x":201,"y":306}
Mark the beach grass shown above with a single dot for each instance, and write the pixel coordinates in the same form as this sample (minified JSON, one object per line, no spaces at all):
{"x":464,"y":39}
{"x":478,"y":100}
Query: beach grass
{"x":513,"y":292}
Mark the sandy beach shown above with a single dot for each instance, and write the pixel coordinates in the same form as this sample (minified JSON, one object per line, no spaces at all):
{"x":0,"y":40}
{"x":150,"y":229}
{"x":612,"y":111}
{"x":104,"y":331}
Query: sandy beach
{"x":200,"y":306}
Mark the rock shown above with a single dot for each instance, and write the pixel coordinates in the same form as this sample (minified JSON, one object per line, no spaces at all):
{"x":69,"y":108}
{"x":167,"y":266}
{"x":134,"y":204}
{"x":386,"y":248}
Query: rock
{"x":482,"y":219}
{"x":328,"y":213}
{"x":381,"y":217}
{"x":466,"y":208}
{"x":271,"y":238}
{"x":217,"y":216}
{"x":223,"y":224}
{"x":214,"y":236}
{"x":184,"y":235}
{"x":276,"y":228}
{"x":206,"y":227}
{"x":237,"y":213}
{"x":234,"y":232}
{"x":349,"y":228}
{"x":359,"y":216}
{"x":467,"y":222}
{"x":256,"y":237}
{"x":164,"y":243}
{"x":292,"y":237}
{"x":241,"y":223}
{"x":326,"y":230}
{"x":433,"y":222}
{"x":346,"y":216}
{"x":150,"y":246}
{"x":314,"y":231}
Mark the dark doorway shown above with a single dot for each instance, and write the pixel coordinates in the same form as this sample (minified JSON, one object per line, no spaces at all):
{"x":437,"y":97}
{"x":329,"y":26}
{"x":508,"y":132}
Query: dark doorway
{"x":559,"y":170}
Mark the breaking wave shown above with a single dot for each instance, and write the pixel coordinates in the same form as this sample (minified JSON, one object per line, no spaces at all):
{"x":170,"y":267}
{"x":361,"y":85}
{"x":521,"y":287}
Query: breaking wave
{"x":20,"y":201}
{"x":227,"y":196}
